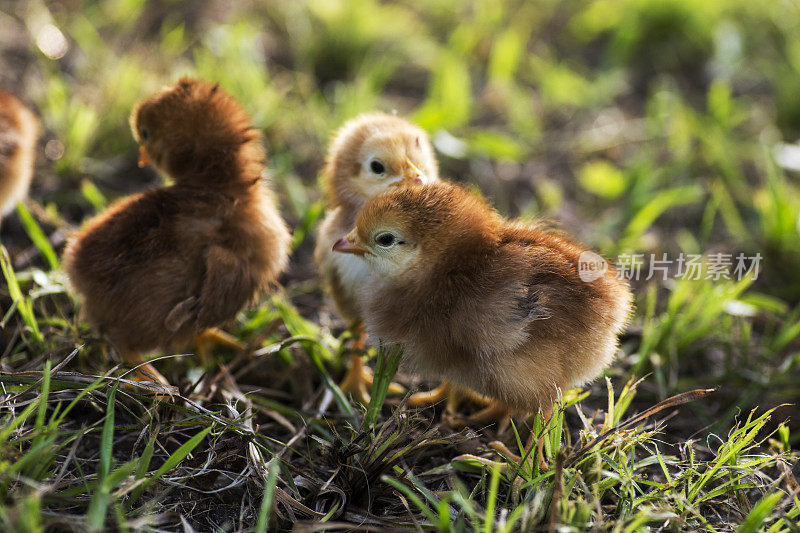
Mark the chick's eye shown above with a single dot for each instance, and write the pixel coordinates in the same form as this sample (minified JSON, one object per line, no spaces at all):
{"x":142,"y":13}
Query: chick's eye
{"x":385,"y":239}
{"x":377,"y":167}
{"x":144,"y":134}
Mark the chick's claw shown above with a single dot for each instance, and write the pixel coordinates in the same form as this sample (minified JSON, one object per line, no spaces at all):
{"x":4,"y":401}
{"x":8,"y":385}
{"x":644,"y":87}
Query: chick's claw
{"x":146,"y":374}
{"x":358,"y":381}
{"x":453,"y":394}
{"x":494,"y":412}
{"x":529,"y":453}
{"x":503,"y":450}
{"x":394,"y":388}
{"x":445,"y":391}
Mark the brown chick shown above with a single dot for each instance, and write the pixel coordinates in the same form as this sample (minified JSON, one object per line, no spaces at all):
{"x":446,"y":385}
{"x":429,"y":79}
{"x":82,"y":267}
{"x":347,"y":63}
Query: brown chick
{"x":19,"y":131}
{"x":491,"y":305}
{"x":158,"y":268}
{"x":369,"y":154}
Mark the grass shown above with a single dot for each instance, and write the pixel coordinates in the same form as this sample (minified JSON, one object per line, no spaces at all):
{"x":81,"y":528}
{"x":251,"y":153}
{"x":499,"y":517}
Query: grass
{"x":641,"y":126}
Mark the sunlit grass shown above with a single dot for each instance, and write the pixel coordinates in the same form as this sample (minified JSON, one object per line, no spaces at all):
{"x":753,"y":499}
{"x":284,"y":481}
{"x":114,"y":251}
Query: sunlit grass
{"x":643,"y":127}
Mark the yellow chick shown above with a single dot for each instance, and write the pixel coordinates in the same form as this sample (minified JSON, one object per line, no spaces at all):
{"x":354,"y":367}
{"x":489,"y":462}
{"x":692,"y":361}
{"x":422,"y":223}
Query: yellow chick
{"x":19,"y":132}
{"x":495,"y":306}
{"x":159,"y":268}
{"x":369,"y":154}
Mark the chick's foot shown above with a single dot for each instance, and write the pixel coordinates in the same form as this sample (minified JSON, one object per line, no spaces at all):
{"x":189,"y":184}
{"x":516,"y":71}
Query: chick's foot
{"x":358,"y":381}
{"x":503,"y":450}
{"x":146,"y":374}
{"x":142,"y":371}
{"x":529,"y":452}
{"x":445,"y":391}
{"x":493,"y":412}
{"x":215,"y":337}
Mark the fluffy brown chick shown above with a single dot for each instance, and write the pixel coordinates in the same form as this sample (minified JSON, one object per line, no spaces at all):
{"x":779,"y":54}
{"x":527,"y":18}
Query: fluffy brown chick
{"x":491,"y":305}
{"x":19,"y":131}
{"x":157,"y":268}
{"x":368,"y":155}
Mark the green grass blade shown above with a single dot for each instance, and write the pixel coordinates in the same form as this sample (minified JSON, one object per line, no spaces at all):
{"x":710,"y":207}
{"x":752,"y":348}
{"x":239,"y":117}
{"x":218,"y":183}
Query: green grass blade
{"x":658,"y":204}
{"x":37,"y":236}
{"x":40,"y":415}
{"x":415,"y":499}
{"x":107,"y":438}
{"x":178,"y":456}
{"x":491,"y":502}
{"x":760,"y":512}
{"x":98,"y":506}
{"x":23,"y":303}
{"x":142,"y":467}
{"x":385,"y":369}
{"x":338,"y":395}
{"x":96,"y":384}
{"x":93,"y":195}
{"x":17,"y":421}
{"x":266,"y":501}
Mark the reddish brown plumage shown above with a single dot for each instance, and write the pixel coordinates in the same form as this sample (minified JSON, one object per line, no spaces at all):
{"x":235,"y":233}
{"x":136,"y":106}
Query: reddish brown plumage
{"x":494,"y":306}
{"x":19,"y":131}
{"x":158,"y":267}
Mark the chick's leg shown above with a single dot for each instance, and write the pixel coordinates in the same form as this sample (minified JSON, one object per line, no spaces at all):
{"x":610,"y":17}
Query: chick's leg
{"x":503,"y":449}
{"x":143,"y":371}
{"x":494,"y":412}
{"x":215,"y":337}
{"x":454,"y":395}
{"x":356,"y":382}
{"x":445,"y":391}
{"x":358,"y":379}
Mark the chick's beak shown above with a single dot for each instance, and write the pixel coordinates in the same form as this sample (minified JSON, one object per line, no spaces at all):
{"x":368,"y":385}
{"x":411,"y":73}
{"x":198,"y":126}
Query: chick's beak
{"x":143,"y":157}
{"x":347,"y":246}
{"x":412,"y":175}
